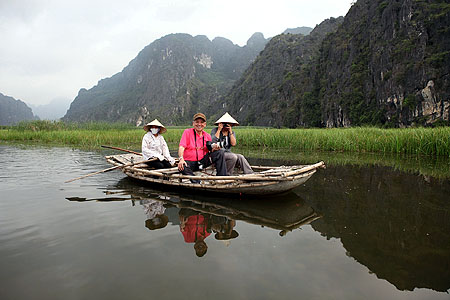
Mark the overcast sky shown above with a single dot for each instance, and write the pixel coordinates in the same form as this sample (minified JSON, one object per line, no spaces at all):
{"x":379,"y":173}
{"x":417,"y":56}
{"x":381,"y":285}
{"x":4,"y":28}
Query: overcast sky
{"x":49,"y":49}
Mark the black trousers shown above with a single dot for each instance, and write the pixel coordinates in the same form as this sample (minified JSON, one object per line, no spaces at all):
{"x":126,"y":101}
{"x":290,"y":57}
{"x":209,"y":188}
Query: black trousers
{"x":216,"y":157}
{"x":157,"y":164}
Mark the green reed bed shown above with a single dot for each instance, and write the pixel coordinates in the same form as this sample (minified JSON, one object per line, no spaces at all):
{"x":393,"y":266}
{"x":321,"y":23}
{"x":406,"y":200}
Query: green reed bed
{"x":81,"y":137}
{"x":84,"y":135}
{"x":423,"y":141}
{"x":417,"y":141}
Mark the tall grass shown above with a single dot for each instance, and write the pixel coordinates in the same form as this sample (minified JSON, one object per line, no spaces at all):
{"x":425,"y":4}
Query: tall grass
{"x":418,"y":141}
{"x":423,"y":141}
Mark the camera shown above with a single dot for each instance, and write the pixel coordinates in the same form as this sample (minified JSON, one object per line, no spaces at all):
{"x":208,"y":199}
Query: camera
{"x":210,"y":145}
{"x":226,"y":125}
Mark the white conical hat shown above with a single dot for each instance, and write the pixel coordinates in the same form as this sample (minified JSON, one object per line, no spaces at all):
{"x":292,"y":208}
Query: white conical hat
{"x":155,"y":122}
{"x":226,"y":118}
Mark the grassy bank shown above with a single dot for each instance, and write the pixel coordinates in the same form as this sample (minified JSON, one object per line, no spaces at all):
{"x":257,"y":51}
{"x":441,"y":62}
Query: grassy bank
{"x":422,"y":141}
{"x":417,"y":141}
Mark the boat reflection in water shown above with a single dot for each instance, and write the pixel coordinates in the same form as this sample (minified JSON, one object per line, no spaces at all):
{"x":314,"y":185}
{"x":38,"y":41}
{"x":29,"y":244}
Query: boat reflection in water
{"x":201,"y":216}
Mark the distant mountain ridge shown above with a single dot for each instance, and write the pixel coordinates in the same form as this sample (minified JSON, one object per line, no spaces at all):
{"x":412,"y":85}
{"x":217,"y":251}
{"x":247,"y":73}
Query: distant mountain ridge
{"x":54,"y":110}
{"x":170,"y":79}
{"x":13,"y":111}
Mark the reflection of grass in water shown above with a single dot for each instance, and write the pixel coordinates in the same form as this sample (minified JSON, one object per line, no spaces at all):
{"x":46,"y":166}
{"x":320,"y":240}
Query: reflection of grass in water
{"x":438,"y":167}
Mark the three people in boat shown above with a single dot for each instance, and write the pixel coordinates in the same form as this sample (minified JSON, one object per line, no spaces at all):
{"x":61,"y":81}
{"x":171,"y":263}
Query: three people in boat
{"x":224,"y":135}
{"x":197,"y":148}
{"x":193,"y":151}
{"x":154,"y":146}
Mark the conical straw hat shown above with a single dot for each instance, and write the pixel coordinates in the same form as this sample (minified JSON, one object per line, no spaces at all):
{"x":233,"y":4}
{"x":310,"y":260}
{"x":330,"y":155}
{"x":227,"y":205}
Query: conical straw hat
{"x":226,"y":118}
{"x":155,"y":122}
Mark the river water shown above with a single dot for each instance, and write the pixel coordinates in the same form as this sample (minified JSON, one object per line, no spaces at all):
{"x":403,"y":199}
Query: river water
{"x":350,"y":232}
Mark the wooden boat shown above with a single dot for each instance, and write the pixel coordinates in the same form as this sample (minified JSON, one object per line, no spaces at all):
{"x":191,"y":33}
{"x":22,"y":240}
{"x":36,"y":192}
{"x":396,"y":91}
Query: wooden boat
{"x":265,"y":180}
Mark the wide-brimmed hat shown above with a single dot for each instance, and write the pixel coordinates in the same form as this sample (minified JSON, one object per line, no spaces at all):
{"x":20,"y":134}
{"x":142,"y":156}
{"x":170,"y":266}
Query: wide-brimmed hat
{"x":226,"y":236}
{"x":160,"y":221}
{"x":199,"y":115}
{"x":155,"y":122}
{"x":226,"y":118}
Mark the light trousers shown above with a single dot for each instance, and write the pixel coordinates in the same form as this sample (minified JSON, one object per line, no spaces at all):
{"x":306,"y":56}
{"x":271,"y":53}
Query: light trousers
{"x":233,"y":159}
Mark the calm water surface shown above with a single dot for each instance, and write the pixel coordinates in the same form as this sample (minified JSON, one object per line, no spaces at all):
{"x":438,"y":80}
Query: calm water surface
{"x":348,"y":233}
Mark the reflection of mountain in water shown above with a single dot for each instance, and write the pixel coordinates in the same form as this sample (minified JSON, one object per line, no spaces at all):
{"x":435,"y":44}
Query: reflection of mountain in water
{"x":398,"y":225}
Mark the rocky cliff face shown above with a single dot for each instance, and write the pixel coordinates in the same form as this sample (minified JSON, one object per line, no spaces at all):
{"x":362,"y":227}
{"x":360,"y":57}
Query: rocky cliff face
{"x":170,"y":79}
{"x":388,"y":64}
{"x":13,"y":111}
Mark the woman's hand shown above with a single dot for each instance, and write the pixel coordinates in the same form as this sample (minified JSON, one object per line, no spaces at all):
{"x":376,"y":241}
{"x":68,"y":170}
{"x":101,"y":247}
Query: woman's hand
{"x":220,"y":127}
{"x":172,"y":161}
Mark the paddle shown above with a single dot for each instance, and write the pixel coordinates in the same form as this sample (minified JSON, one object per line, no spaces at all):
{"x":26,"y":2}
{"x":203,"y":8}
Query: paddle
{"x":125,"y":150}
{"x":110,"y":169}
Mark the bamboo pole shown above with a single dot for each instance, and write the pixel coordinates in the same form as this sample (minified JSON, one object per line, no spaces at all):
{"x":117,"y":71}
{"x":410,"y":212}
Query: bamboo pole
{"x":209,"y":177}
{"x":303,"y":170}
{"x":243,"y":178}
{"x":108,"y":169}
{"x":125,"y":150}
{"x":249,"y":177}
{"x":201,"y":185}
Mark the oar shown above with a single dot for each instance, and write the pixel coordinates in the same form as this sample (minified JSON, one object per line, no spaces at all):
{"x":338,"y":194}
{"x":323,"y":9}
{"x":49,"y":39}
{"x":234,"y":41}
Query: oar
{"x":110,"y":169}
{"x":125,"y":150}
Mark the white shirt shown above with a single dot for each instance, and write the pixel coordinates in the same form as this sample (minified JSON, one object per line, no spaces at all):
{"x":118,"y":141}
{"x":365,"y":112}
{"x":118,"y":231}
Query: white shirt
{"x":156,"y":146}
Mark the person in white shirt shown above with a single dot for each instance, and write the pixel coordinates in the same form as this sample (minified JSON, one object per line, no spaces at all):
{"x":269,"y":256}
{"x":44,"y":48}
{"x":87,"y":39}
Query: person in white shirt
{"x":154,"y":146}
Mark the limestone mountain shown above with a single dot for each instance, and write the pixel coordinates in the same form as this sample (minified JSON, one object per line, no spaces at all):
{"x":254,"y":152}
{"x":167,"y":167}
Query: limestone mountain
{"x":388,"y":63}
{"x":13,"y":111}
{"x":170,"y":79}
{"x":267,"y":92}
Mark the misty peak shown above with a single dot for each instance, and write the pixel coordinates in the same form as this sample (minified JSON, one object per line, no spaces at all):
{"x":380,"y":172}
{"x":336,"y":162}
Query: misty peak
{"x":256,"y":39}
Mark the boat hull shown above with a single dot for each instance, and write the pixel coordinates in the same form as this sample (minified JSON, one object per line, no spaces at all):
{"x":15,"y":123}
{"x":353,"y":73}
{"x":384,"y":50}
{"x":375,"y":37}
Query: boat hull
{"x":268,"y":188}
{"x":266,"y":181}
